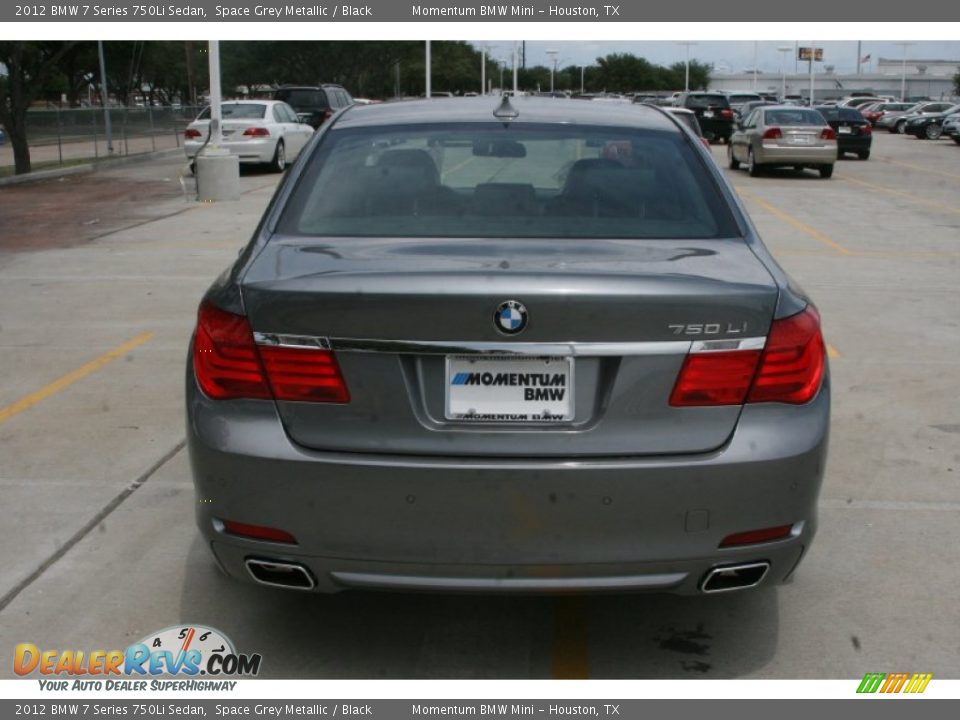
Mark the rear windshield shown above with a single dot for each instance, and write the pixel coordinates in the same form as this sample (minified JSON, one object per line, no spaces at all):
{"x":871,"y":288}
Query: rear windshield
{"x":690,"y":120}
{"x":846,"y":113}
{"x":305,"y":98}
{"x":792,"y":116}
{"x":237,"y":111}
{"x":523,"y":181}
{"x":706,"y":101}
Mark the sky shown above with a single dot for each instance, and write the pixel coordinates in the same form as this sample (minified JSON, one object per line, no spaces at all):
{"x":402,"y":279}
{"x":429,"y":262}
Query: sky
{"x":727,"y":56}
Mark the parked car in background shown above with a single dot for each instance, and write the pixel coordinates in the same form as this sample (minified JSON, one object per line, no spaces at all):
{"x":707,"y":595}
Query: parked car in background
{"x":737,"y":100}
{"x":749,"y":107}
{"x":854,"y":132}
{"x":713,"y":113}
{"x":929,"y":126}
{"x":783,"y":135}
{"x":861,"y":100}
{"x":898,"y":123}
{"x":3,"y":136}
{"x":264,"y":132}
{"x":689,"y":118}
{"x":376,"y":400}
{"x":314,"y":103}
{"x":874,"y":113}
{"x":951,"y":128}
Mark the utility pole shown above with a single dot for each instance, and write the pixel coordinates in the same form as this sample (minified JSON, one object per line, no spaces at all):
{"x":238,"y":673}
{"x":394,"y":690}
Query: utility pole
{"x":483,"y":70}
{"x":427,"y":70}
{"x":553,"y":66}
{"x":903,"y":70}
{"x":104,"y":97}
{"x":686,"y":65}
{"x":515,"y":60}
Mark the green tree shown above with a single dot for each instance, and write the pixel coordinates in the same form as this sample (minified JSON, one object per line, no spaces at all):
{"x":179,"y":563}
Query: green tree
{"x":30,"y":68}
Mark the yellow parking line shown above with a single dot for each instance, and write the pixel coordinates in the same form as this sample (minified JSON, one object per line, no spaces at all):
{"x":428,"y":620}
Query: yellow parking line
{"x":921,"y":168}
{"x":905,"y":195}
{"x":798,"y":224}
{"x":570,"y":654}
{"x":458,"y":166}
{"x":71,"y":377}
{"x":832,"y":352}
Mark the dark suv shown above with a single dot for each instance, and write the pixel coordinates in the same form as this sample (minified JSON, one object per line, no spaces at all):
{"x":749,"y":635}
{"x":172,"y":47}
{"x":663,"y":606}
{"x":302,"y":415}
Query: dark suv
{"x":314,"y":104}
{"x":713,"y":113}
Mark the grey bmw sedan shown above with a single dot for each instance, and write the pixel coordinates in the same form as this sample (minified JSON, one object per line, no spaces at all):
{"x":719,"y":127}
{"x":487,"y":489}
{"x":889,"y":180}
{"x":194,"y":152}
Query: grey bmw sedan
{"x":528,"y":345}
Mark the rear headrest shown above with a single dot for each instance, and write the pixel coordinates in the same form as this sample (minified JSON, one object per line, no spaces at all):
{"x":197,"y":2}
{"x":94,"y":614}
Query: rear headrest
{"x":578,"y":178}
{"x":414,"y":160}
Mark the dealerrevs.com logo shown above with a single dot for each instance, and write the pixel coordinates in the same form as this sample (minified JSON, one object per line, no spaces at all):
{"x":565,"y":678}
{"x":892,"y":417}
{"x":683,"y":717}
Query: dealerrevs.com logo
{"x":185,"y":651}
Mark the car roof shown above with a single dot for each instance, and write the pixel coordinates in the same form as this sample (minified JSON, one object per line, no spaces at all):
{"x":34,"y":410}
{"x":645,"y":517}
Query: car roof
{"x":530,"y":109}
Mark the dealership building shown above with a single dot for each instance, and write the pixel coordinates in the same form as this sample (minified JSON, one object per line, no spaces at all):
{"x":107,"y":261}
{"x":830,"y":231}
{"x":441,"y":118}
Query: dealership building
{"x":923,"y":78}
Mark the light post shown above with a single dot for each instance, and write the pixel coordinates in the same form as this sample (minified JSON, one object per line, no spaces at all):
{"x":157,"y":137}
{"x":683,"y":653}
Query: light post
{"x":553,"y":65}
{"x":903,"y":70}
{"x":755,"y":48}
{"x":686,"y":65}
{"x":515,"y":59}
{"x":783,"y":50}
{"x":427,"y":70}
{"x":583,"y":70}
{"x":104,"y":97}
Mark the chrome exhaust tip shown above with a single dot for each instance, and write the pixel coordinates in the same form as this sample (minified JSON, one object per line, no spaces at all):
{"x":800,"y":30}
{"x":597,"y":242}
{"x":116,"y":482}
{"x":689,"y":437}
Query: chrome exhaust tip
{"x":277,"y":573}
{"x":726,"y":578}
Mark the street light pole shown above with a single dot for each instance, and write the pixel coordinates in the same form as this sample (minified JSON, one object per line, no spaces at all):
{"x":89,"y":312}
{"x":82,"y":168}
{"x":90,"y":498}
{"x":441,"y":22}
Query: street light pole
{"x":583,"y":69}
{"x":515,"y":58}
{"x":686,"y":65}
{"x":553,"y":65}
{"x":427,"y":63}
{"x":755,"y":65}
{"x":103,"y":97}
{"x":783,"y":50}
{"x":483,"y":71}
{"x":903,"y":70}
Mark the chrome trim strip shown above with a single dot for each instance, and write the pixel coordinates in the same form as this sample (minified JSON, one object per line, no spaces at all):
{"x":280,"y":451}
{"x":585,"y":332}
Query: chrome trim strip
{"x":504,"y":584}
{"x":305,"y":342}
{"x":572,"y":349}
{"x":753,"y":343}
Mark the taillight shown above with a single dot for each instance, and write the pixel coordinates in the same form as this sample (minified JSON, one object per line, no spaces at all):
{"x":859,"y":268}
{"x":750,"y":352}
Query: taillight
{"x":726,"y":114}
{"x":256,"y":132}
{"x":225,"y":358}
{"x":308,"y":375}
{"x":191,"y":133}
{"x":706,"y":143}
{"x":229,"y":365}
{"x":866,"y":130}
{"x":327,"y":114}
{"x":715,"y":378}
{"x":828,"y":134}
{"x":794,"y":358}
{"x":789,"y":369}
{"x":773,"y":133}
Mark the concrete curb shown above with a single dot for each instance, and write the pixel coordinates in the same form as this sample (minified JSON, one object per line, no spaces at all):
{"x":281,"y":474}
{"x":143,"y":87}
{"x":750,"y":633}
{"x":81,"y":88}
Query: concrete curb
{"x":88,"y":167}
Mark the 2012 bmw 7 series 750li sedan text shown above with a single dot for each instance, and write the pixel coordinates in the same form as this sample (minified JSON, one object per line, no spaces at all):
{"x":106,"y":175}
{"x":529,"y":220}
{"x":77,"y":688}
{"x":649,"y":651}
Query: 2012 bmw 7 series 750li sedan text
{"x":518,"y":345}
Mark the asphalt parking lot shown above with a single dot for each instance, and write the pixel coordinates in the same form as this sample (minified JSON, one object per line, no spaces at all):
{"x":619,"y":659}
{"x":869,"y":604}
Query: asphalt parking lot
{"x":98,"y":545}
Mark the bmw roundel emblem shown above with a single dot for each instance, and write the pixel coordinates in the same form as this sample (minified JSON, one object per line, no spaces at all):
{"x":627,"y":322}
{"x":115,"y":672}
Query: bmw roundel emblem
{"x":510,"y":317}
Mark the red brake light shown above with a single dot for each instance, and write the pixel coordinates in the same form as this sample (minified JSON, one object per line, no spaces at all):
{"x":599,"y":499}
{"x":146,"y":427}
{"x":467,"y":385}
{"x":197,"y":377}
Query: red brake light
{"x":828,"y":134}
{"x":191,"y":133}
{"x":229,"y":365}
{"x":225,"y":357}
{"x":258,"y":532}
{"x":256,"y":132}
{"x":307,"y":375}
{"x":791,"y":369}
{"x":866,"y":130}
{"x":728,"y":114}
{"x":715,"y":378}
{"x":773,"y":133}
{"x":327,"y":114}
{"x":756,"y":536}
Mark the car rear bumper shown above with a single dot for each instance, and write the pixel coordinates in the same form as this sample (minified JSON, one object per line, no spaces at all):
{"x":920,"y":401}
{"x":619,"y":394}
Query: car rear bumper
{"x":505,"y":525}
{"x":783,"y":155}
{"x":249,"y":151}
{"x":854,"y":143}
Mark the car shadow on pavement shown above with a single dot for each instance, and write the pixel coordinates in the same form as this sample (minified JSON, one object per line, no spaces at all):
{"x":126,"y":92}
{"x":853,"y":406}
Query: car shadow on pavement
{"x":368,"y":635}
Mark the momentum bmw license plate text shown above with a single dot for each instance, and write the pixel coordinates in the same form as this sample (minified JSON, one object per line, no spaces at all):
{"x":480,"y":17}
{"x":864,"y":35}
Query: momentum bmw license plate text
{"x":509,"y":389}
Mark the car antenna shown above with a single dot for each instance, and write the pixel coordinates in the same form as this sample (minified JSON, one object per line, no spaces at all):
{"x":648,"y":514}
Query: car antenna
{"x":505,"y":111}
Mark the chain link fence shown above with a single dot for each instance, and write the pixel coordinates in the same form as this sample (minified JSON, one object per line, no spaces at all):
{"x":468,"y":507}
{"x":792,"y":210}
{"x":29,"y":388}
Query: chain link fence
{"x":59,"y":136}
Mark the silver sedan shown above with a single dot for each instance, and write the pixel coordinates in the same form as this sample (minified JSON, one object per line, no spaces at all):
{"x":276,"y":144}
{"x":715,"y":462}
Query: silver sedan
{"x":264,"y":132}
{"x":783,"y":136}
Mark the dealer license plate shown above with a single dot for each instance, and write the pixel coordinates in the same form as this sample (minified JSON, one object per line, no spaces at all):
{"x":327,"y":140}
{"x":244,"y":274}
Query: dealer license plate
{"x":509,"y":389}
{"x":844,"y":130}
